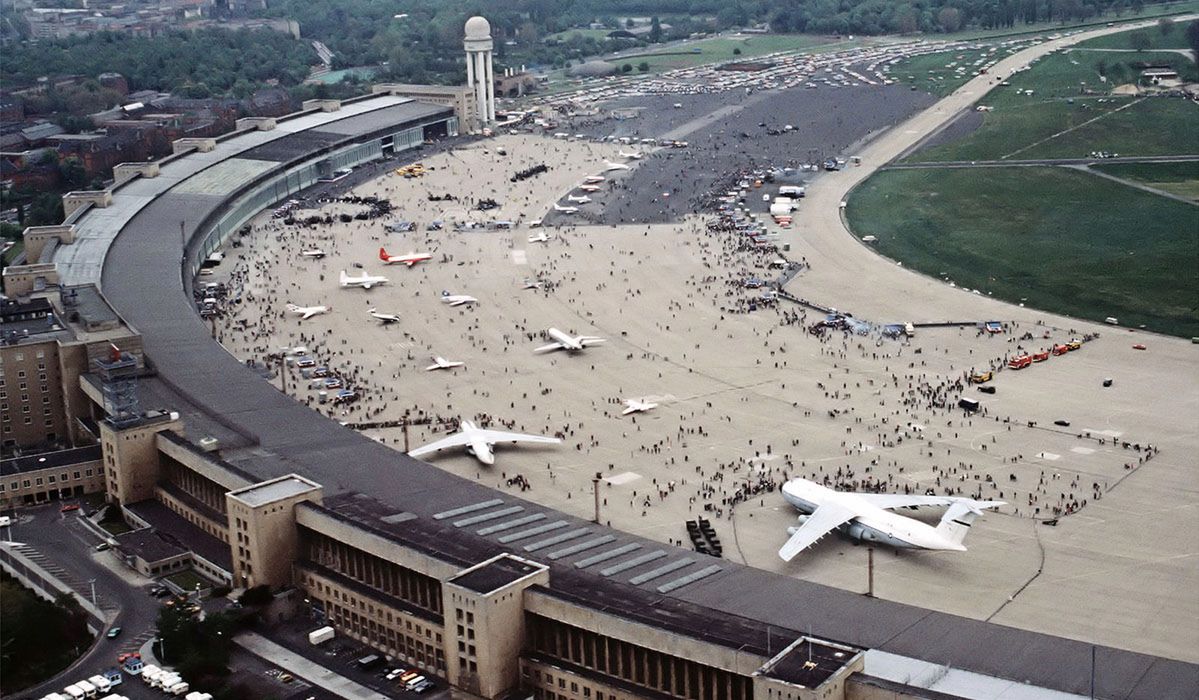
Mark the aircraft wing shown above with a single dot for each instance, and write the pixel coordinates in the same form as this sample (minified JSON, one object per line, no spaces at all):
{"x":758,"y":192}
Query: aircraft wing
{"x":889,"y":501}
{"x":308,"y":314}
{"x":824,"y":520}
{"x":494,"y":436}
{"x":551,"y":346}
{"x":455,"y":440}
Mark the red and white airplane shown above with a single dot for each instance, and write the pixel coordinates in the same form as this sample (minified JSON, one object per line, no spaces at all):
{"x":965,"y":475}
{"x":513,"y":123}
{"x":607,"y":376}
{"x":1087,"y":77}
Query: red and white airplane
{"x":409,"y":259}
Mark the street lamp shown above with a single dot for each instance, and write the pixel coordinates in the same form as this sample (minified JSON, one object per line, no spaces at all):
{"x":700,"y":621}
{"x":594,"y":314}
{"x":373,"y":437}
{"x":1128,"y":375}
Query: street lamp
{"x":93,"y":584}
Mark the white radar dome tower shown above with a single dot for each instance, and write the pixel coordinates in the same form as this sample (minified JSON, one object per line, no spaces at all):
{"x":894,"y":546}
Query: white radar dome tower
{"x":479,"y":73}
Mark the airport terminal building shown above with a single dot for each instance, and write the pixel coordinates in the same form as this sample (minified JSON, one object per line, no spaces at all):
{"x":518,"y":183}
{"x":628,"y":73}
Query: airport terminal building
{"x":498,"y":595}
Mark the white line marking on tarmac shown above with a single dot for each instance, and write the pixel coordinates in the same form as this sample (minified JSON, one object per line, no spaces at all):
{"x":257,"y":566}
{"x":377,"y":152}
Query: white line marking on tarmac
{"x":519,"y":258}
{"x":623,"y":478}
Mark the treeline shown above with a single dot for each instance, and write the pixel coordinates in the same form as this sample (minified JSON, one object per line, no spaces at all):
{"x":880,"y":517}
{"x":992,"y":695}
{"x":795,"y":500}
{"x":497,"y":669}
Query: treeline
{"x":37,"y":639}
{"x":201,"y":63}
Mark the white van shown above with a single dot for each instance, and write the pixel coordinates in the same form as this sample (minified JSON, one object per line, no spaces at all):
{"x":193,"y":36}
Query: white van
{"x":74,"y":692}
{"x":413,"y":682}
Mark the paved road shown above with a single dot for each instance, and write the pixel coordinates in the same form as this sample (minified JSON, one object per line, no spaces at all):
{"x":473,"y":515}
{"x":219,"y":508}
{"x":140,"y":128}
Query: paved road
{"x":66,"y":548}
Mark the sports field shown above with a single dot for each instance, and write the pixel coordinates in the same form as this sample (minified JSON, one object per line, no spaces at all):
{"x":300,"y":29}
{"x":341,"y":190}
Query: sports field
{"x":1052,"y":238}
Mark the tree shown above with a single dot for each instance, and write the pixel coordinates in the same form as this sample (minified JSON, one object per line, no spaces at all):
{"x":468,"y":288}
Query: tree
{"x":655,"y":30}
{"x":1165,"y":25}
{"x":258,"y":595}
{"x":71,"y":172}
{"x":950,"y":19}
{"x":626,"y":68}
{"x":629,"y":23}
{"x":737,"y":51}
{"x":643,"y":67}
{"x":1140,"y":41}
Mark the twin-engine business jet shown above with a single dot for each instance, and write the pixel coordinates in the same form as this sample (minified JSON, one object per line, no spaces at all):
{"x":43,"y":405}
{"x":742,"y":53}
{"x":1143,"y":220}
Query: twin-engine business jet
{"x":565,"y":210}
{"x":567,"y":342}
{"x":410,"y":259}
{"x":313,"y":254}
{"x":581,"y":199}
{"x":457,"y":299}
{"x":307,"y":312}
{"x":868,"y":517}
{"x":541,"y":237}
{"x":385,"y":319}
{"x":635,"y":406}
{"x":609,"y":165}
{"x":634,"y":155}
{"x":478,"y":442}
{"x":440,"y":362}
{"x":365,"y":281}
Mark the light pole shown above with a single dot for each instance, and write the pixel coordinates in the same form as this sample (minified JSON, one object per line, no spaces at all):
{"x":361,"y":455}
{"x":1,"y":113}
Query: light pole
{"x":92,"y":582}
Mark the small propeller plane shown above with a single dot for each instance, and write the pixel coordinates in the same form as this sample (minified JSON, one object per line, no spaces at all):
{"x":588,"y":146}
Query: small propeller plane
{"x":567,"y":342}
{"x":385,"y":319}
{"x":364,"y":280}
{"x":410,"y":259}
{"x":307,"y":312}
{"x":440,"y":362}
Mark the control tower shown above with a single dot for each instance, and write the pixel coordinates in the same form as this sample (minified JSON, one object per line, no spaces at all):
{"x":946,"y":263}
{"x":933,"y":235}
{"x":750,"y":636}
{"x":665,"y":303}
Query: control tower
{"x":479,"y":74}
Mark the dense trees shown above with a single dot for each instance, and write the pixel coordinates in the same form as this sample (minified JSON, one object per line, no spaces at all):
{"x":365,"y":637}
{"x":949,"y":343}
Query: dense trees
{"x":213,"y":58}
{"x":37,"y":639}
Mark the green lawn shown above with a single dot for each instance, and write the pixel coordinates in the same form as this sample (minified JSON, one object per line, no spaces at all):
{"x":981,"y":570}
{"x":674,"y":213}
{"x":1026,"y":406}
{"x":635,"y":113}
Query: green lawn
{"x":1057,"y":239}
{"x":188,"y":579}
{"x":1177,"y":178}
{"x":938,"y":73}
{"x":1018,"y":120}
{"x":1151,"y":11}
{"x":1174,"y":39}
{"x":720,"y":50}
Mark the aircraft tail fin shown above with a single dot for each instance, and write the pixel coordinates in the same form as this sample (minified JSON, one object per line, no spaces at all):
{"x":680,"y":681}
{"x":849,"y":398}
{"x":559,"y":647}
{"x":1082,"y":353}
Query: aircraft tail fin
{"x":383,"y":254}
{"x":343,"y":279}
{"x":960,"y":516}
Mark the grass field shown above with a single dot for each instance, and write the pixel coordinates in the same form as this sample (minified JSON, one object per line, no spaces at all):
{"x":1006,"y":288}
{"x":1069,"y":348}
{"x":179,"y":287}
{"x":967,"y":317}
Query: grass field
{"x":1175,"y":39}
{"x":1021,"y":125}
{"x":938,"y":73}
{"x":188,"y":579}
{"x":1181,"y":179}
{"x":720,"y":50}
{"x":1055,"y":239}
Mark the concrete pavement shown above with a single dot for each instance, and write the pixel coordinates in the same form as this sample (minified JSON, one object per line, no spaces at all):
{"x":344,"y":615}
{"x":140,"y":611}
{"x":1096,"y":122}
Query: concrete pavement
{"x":304,"y":668}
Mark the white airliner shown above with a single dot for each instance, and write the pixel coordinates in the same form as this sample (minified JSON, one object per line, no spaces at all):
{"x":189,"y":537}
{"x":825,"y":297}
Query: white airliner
{"x":609,"y":165}
{"x":457,"y":299}
{"x":531,"y":284}
{"x":594,"y":179}
{"x":384,"y":318}
{"x":634,"y":155}
{"x":565,"y":210}
{"x":590,"y":188}
{"x":581,"y":199}
{"x":867,"y":517}
{"x":567,"y":342}
{"x":314,"y":254}
{"x":410,"y":259}
{"x":440,"y":362}
{"x":635,"y":406}
{"x":365,"y":281}
{"x":541,"y":237}
{"x":478,"y":442}
{"x":307,"y":312}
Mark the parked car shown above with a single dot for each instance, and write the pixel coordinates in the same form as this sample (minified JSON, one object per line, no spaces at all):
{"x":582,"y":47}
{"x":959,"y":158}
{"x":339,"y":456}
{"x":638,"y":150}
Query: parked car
{"x":113,"y":632}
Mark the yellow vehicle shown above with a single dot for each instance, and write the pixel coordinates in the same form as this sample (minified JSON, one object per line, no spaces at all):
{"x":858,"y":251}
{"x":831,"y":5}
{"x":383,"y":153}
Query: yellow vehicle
{"x":980,"y":377}
{"x":1074,"y":345}
{"x":410,"y":171}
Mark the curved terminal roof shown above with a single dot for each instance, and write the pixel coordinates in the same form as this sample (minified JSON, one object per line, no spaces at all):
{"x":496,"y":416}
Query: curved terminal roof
{"x":136,"y":245}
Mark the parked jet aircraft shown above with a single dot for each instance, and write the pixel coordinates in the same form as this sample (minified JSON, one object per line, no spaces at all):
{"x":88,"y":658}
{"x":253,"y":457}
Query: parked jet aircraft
{"x":442,"y":363}
{"x":364,"y":280}
{"x":410,"y":259}
{"x":457,"y":299}
{"x":565,"y":210}
{"x":634,"y":155}
{"x":589,"y":188}
{"x":868,"y":517}
{"x":315,"y":254}
{"x":570,"y":343}
{"x":307,"y":312}
{"x":478,"y":442}
{"x":530,"y":283}
{"x":540,"y":237}
{"x":609,"y":165}
{"x":594,"y":179}
{"x":386,"y":319}
{"x":581,"y":199}
{"x":635,"y":406}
